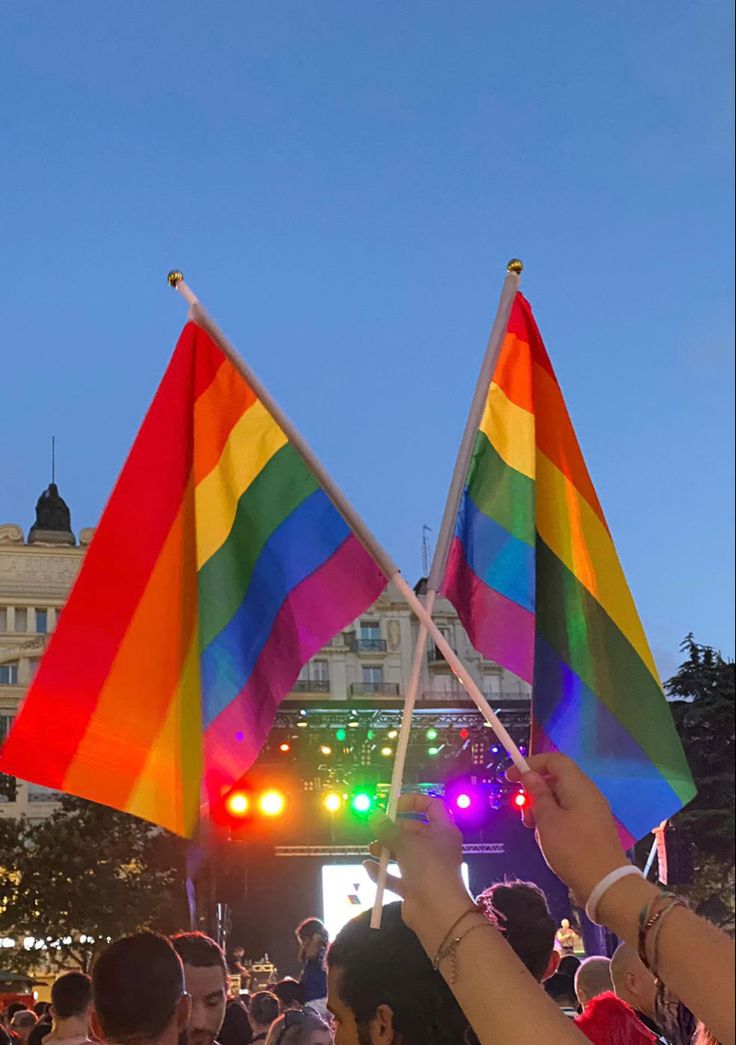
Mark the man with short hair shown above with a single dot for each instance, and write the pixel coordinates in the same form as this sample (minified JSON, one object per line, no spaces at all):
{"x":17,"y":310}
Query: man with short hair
{"x":655,"y":1006}
{"x":264,"y":1009}
{"x":383,"y":990}
{"x":520,"y":910}
{"x":138,"y":993}
{"x":592,"y":978}
{"x":71,"y":1009}
{"x":313,"y":939}
{"x":21,"y":1024}
{"x":205,"y":975}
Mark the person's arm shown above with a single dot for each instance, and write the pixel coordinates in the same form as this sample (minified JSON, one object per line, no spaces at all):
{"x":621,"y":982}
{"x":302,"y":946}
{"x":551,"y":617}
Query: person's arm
{"x":501,"y":1000}
{"x":578,"y":837}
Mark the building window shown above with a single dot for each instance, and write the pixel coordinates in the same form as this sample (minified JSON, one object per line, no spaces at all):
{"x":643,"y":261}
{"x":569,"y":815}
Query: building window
{"x":9,"y":673}
{"x":372,"y":676}
{"x":319,"y":670}
{"x":21,"y":618}
{"x":33,"y":665}
{"x":42,"y":619}
{"x":370,"y":630}
{"x":3,"y":619}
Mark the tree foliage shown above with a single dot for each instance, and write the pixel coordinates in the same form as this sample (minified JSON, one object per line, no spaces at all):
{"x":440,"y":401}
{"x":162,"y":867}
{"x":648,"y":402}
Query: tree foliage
{"x":84,"y":876}
{"x":704,"y":715}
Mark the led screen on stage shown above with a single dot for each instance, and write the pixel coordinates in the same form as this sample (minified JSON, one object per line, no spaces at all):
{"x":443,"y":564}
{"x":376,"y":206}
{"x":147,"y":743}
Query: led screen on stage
{"x":347,"y":890}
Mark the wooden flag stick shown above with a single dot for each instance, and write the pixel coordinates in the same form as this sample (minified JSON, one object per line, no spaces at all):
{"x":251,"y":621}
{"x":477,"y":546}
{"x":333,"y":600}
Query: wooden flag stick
{"x":381,"y":557}
{"x":442,"y":550}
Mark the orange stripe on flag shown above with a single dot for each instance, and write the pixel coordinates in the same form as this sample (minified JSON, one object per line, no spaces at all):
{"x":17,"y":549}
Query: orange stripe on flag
{"x":216,"y":412}
{"x":137,"y":694}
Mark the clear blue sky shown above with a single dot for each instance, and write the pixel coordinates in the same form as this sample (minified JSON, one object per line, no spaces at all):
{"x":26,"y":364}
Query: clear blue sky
{"x":342,"y":183}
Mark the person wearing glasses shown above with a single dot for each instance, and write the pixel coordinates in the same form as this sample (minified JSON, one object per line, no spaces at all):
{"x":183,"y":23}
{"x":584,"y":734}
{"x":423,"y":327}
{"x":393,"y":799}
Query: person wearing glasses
{"x":299,"y":1027}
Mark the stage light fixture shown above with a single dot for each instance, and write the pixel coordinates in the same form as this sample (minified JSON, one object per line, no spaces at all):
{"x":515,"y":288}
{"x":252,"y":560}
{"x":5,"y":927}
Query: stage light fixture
{"x":431,"y":733}
{"x":284,"y":747}
{"x":272,"y":803}
{"x":302,"y":723}
{"x":341,"y":735}
{"x":354,"y":724}
{"x":520,"y":800}
{"x":463,"y":801}
{"x":332,"y":802}
{"x":387,"y":752}
{"x":464,"y":734}
{"x":325,"y":749}
{"x":237,"y":804}
{"x":433,"y":751}
{"x":370,"y":734}
{"x":362,"y":802}
{"x":392,"y":734}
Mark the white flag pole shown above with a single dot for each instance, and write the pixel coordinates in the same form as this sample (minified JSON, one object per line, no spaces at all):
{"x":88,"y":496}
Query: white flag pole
{"x":381,"y":557}
{"x":442,"y":551}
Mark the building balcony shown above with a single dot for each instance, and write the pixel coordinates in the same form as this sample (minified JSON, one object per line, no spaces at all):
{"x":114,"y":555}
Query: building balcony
{"x":8,"y":788}
{"x":373,"y":689}
{"x":370,"y":645}
{"x":311,"y":686}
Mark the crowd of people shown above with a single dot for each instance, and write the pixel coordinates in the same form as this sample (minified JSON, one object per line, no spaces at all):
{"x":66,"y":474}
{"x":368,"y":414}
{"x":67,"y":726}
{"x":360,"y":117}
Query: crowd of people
{"x":444,"y":968}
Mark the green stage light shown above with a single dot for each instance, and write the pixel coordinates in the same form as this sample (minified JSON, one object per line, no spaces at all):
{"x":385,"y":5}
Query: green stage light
{"x":431,"y":734}
{"x":370,"y":734}
{"x":433,"y":751}
{"x":341,"y":735}
{"x":361,"y":802}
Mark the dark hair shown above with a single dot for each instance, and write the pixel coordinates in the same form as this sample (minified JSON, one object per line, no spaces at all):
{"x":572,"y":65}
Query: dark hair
{"x":264,"y":1008}
{"x":521,"y":913}
{"x":71,"y":994}
{"x":15,"y":1006}
{"x":136,"y":985}
{"x":310,"y":926}
{"x":199,"y":950}
{"x":289,"y":991}
{"x":391,"y":968}
{"x":569,"y":964}
{"x":561,"y":988}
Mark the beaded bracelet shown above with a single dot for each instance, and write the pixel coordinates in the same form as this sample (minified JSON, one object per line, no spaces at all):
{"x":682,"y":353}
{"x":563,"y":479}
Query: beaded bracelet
{"x":649,"y":917}
{"x":676,"y":902}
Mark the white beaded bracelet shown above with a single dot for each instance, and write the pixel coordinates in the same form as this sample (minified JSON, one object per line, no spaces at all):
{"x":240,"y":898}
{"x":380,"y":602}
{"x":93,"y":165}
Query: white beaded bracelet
{"x":591,"y":907}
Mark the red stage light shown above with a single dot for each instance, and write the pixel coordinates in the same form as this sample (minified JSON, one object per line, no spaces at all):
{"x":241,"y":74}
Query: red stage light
{"x":237,"y":804}
{"x":464,"y":734}
{"x":284,"y":747}
{"x":520,"y":800}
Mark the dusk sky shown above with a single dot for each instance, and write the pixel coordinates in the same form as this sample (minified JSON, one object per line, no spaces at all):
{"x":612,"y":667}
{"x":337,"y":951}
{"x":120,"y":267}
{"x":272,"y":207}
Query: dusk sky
{"x":342,"y":184}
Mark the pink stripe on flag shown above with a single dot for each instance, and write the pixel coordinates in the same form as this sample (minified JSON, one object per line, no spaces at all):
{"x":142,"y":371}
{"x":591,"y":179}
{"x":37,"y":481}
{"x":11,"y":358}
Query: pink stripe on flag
{"x":499,"y":628}
{"x":326,"y":601}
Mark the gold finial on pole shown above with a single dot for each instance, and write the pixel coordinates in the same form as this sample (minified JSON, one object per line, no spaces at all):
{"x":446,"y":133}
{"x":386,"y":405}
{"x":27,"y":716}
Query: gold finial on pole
{"x":175,"y":277}
{"x":516,"y":266}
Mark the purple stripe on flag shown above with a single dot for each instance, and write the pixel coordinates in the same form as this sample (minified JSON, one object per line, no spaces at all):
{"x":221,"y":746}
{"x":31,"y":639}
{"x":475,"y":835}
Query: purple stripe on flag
{"x":323,"y":603}
{"x":499,"y":628}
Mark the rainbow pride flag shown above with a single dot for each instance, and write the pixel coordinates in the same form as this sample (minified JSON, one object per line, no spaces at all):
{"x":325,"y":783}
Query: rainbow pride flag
{"x":218,"y":569}
{"x":535,"y":578}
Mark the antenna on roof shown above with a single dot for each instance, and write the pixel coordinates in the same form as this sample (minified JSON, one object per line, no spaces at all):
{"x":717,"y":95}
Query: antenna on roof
{"x":53,"y":459}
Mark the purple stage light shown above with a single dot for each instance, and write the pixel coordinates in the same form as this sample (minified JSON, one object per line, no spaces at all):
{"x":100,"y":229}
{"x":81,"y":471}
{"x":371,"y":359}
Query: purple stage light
{"x":463,"y":801}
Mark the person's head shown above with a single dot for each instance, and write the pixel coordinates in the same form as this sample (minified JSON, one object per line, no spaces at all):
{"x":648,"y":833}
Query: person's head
{"x":565,"y":923}
{"x":41,"y":1008}
{"x":290,"y":993}
{"x":382,"y":989}
{"x":15,"y":1006}
{"x":299,"y":1028}
{"x":521,"y":913}
{"x":312,"y":936}
{"x":264,"y":1009}
{"x":569,"y":964}
{"x":71,"y":997}
{"x":205,"y":975}
{"x":138,"y":992}
{"x":561,"y":990}
{"x":632,"y":981}
{"x":22,"y":1023}
{"x":593,"y":978}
